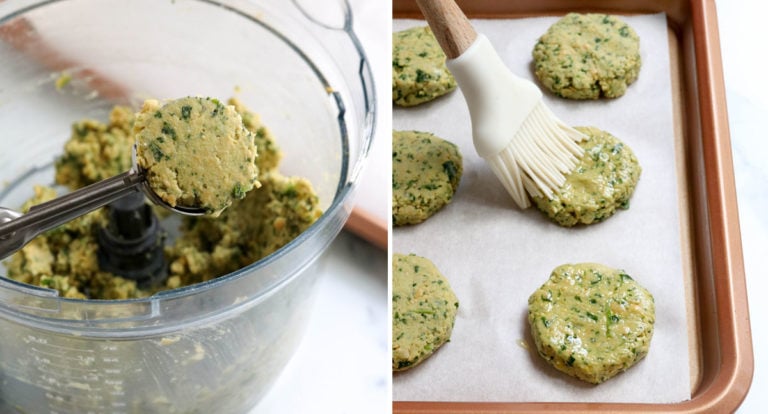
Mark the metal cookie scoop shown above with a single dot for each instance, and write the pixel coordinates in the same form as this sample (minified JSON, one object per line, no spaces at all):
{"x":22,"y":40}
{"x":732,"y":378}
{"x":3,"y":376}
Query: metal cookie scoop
{"x":16,"y":229}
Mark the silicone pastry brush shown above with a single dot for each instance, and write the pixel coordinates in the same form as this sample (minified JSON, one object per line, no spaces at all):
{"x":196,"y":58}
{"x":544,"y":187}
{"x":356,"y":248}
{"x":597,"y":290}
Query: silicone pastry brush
{"x":526,"y":146}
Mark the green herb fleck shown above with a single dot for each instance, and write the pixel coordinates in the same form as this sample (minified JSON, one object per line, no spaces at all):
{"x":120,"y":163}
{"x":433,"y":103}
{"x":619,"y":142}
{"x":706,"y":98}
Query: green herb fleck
{"x":157,"y":153}
{"x":624,"y":31}
{"x":168,"y":130}
{"x":421,"y":76}
{"x":450,"y":169}
{"x":425,"y":311}
{"x":238,"y":192}
{"x":186,"y":110}
{"x":218,"y":109}
{"x":290,"y":192}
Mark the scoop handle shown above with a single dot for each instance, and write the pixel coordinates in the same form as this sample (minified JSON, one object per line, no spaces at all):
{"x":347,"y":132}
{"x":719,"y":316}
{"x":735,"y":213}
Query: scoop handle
{"x":14,"y":234}
{"x":451,"y":27}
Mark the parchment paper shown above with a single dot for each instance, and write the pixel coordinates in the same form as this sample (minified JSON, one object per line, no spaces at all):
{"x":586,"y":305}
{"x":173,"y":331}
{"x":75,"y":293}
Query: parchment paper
{"x":495,"y":255}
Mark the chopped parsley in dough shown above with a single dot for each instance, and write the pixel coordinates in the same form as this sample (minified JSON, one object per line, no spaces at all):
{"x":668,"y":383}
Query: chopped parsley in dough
{"x":424,"y":310}
{"x":250,"y":229}
{"x":588,"y":56}
{"x":96,"y":151}
{"x":602,"y":182}
{"x":591,"y":321}
{"x":65,"y":258}
{"x":426,"y":171}
{"x":419,"y":73}
{"x":196,"y":153}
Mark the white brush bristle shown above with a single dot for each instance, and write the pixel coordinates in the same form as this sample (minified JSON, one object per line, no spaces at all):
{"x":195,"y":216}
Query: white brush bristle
{"x":537,"y":158}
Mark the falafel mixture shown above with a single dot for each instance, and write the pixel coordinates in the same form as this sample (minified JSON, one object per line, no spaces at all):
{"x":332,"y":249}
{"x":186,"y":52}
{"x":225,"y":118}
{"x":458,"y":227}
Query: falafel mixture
{"x":66,"y":258}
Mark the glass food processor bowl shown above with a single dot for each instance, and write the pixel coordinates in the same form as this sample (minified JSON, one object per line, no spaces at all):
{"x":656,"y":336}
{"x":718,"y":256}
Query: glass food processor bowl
{"x":215,"y":346}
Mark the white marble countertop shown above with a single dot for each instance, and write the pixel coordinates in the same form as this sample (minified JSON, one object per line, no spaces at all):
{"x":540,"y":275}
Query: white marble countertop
{"x":742,"y":43}
{"x":342,"y":364}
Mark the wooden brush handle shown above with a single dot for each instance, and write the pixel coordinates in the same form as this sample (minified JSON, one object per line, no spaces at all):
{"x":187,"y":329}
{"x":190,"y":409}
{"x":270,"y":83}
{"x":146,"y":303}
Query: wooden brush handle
{"x":449,"y":24}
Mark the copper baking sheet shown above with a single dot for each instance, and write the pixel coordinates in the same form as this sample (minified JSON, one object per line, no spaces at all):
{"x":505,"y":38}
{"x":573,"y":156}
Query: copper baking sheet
{"x":721,"y":358}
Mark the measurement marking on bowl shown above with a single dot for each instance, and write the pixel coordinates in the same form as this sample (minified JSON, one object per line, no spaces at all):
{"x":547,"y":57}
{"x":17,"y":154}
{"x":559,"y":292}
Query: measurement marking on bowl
{"x":73,"y":379}
{"x":58,"y":355}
